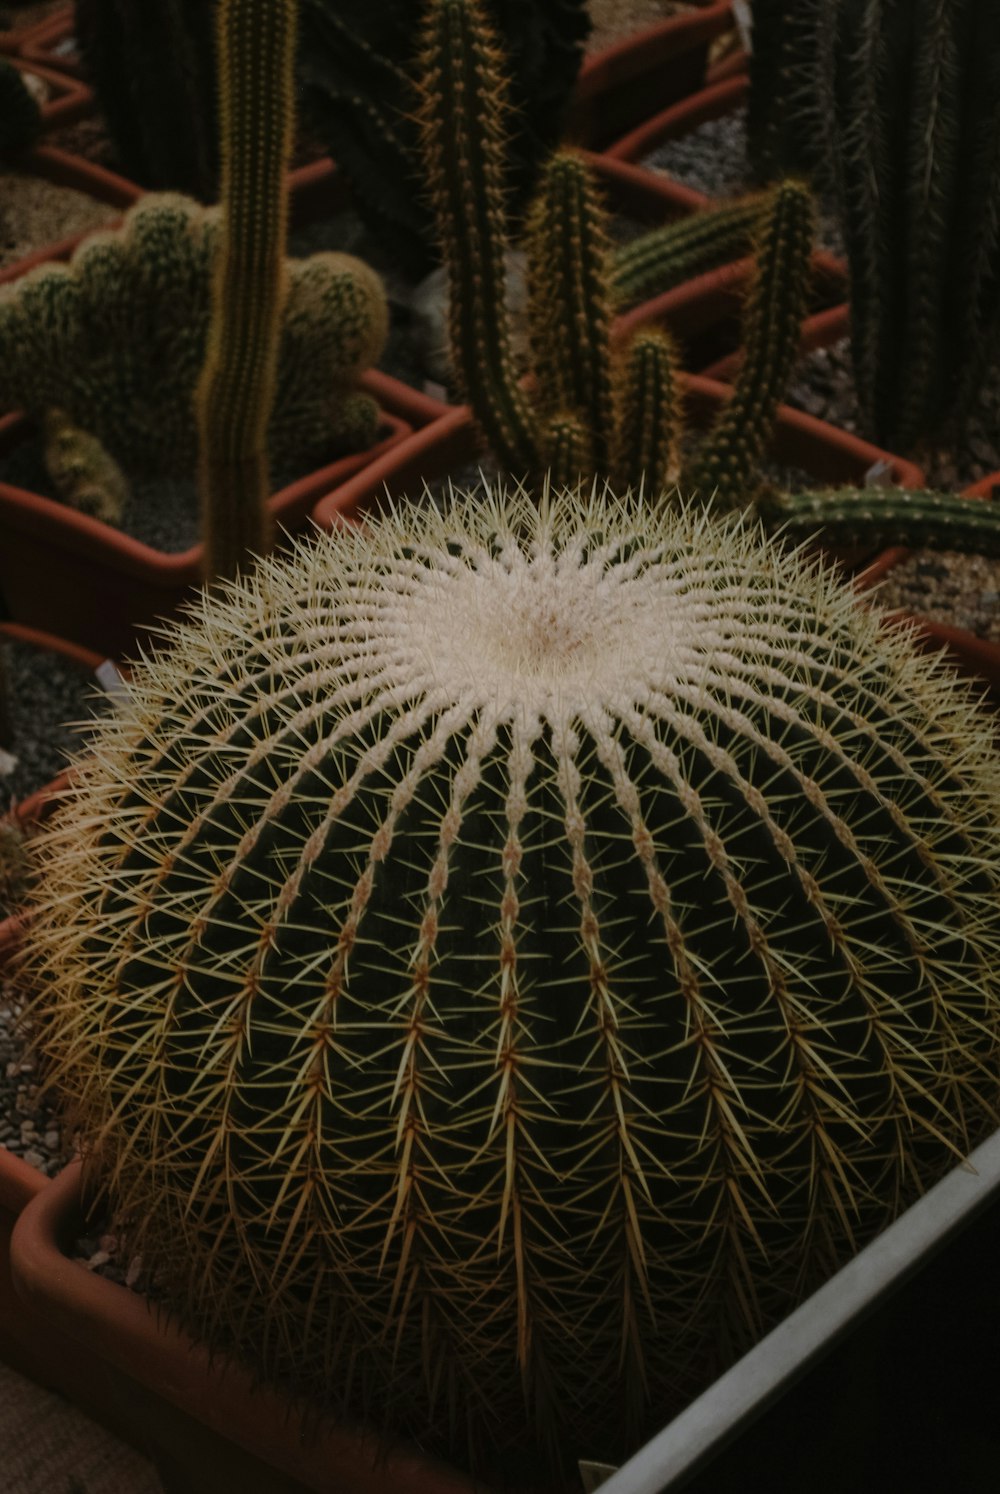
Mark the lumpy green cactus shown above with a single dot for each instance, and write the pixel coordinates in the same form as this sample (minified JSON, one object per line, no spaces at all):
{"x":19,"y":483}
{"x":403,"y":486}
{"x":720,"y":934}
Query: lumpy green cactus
{"x":500,"y":958}
{"x":116,"y":339}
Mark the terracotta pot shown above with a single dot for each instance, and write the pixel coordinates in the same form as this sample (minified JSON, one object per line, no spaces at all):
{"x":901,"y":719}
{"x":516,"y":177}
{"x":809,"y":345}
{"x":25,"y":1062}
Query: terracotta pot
{"x":705,"y":314}
{"x":174,"y":1390}
{"x":680,"y":118}
{"x":976,"y":658}
{"x":69,"y":99}
{"x":52,"y":42}
{"x":86,"y":581}
{"x":65,"y":170}
{"x":619,"y":86}
{"x":830,"y":454}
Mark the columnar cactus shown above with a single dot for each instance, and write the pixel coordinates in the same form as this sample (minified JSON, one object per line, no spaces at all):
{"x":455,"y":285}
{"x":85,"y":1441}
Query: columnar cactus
{"x":895,"y":101}
{"x":572,"y":277}
{"x":235,"y":392}
{"x":499,"y":960}
{"x":665,"y":256}
{"x":117,"y":339}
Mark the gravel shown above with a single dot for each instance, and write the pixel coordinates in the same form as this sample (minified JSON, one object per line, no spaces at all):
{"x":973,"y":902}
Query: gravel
{"x":35,"y":212}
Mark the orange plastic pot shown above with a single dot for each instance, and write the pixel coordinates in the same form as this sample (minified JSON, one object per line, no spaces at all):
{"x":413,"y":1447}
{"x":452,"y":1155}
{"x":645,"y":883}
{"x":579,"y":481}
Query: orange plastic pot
{"x":678,"y":118}
{"x":52,"y":43}
{"x":622,"y":84}
{"x":69,"y":98}
{"x":198,"y":1415}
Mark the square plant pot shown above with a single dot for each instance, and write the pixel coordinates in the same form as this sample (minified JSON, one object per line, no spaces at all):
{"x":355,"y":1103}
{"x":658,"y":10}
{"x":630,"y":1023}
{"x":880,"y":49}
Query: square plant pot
{"x":884,"y":1378}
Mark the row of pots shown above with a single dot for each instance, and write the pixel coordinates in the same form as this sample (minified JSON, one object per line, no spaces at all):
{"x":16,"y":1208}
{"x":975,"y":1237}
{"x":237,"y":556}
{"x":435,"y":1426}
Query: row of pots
{"x":65,"y":1326}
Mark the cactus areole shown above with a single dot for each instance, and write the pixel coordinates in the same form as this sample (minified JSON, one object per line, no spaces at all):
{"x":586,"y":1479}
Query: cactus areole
{"x":500,"y":959}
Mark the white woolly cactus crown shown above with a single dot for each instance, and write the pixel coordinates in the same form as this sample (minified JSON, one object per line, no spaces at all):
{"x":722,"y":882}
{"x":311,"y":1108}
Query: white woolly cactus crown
{"x":501,"y":958}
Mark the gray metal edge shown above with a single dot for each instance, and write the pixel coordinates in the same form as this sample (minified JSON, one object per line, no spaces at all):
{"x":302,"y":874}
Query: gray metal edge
{"x":744,"y":1391}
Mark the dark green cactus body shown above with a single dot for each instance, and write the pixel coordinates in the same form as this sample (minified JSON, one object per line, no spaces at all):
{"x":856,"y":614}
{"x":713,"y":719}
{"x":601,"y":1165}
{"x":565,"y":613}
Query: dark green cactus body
{"x":886,"y":516}
{"x":649,"y":416}
{"x":501,"y":960}
{"x":897,"y":102}
{"x":725,"y":463}
{"x":20,"y":115}
{"x":153,"y":69}
{"x":235,"y":392}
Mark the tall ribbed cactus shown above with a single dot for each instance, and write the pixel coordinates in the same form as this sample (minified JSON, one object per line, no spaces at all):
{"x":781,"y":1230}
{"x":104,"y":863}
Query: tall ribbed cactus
{"x":896,"y":100}
{"x":886,"y":516}
{"x":500,"y":960}
{"x":235,"y":393}
{"x":587,"y":405}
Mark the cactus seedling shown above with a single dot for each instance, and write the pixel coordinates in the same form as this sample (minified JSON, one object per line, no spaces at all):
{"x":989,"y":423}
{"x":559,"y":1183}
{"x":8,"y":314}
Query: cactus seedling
{"x":501,"y":959}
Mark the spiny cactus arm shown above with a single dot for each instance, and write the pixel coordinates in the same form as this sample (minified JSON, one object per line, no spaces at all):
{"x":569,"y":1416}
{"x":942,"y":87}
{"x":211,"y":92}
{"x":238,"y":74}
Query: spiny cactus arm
{"x":724,"y":466}
{"x":569,"y":301}
{"x":462,"y":121}
{"x":235,"y":393}
{"x":650,"y":418}
{"x":917,"y":517}
{"x":20,"y":115}
{"x":566,"y":450}
{"x":85,"y":475}
{"x":658,"y":260}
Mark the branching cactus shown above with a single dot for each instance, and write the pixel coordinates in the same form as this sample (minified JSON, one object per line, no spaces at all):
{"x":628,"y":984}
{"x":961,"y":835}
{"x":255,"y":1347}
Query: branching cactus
{"x":499,"y":960}
{"x":586,"y":408}
{"x":116,"y":339}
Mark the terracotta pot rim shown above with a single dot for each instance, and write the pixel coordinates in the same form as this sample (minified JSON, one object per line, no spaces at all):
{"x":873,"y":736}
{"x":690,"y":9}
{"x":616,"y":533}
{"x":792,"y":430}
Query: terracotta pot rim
{"x":708,"y":103}
{"x":72,"y":97}
{"x":621,"y":60}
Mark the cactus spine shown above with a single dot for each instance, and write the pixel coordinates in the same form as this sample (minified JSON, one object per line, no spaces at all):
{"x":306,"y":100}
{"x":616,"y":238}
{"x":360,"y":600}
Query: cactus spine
{"x":235,"y":393}
{"x":538,"y":944}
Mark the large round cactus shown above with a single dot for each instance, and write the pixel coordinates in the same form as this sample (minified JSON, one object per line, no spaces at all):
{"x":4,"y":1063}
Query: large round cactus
{"x":500,"y":959}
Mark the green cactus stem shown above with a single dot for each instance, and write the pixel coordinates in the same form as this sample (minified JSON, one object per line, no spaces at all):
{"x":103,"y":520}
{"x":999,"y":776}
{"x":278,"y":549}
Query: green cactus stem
{"x":722,"y":470}
{"x":650,"y":413}
{"x":663,"y":257}
{"x":569,"y":305}
{"x":235,"y":393}
{"x":463,"y":122}
{"x":501,"y":960}
{"x":887,"y":516}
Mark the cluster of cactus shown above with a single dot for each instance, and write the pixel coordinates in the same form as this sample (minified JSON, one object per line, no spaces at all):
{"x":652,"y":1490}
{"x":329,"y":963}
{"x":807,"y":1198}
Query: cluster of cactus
{"x":895,"y":100}
{"x":501,"y":959}
{"x":116,"y":339}
{"x":153,"y":70}
{"x":594,"y":409}
{"x":20,"y":115}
